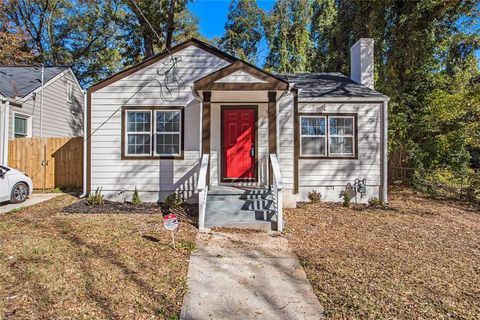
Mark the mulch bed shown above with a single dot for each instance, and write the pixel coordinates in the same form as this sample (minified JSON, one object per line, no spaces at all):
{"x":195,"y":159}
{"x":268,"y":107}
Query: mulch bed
{"x":417,"y":260}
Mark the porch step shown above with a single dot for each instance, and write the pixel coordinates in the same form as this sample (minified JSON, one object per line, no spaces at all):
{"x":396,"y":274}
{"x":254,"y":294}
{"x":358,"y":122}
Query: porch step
{"x":248,"y":219}
{"x":240,"y":208}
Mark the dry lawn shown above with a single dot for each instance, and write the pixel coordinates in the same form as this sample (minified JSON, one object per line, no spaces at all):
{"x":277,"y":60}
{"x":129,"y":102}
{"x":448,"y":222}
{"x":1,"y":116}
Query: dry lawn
{"x":58,"y":266}
{"x":418,"y":261}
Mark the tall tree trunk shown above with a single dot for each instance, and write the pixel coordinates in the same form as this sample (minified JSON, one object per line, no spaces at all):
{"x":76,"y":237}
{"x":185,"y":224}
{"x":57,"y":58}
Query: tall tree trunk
{"x":170,"y":25}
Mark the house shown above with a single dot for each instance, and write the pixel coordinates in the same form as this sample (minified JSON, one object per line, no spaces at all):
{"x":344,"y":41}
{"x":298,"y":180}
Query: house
{"x":242,"y":142}
{"x":28,"y":111}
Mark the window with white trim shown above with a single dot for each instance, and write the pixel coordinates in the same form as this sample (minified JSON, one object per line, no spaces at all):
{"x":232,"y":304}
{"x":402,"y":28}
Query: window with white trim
{"x":69,"y":92}
{"x":167,"y":132}
{"x":327,"y":136}
{"x":153,"y":132}
{"x":313,"y":136}
{"x":138,"y":133}
{"x":21,"y":126}
{"x":341,"y":136}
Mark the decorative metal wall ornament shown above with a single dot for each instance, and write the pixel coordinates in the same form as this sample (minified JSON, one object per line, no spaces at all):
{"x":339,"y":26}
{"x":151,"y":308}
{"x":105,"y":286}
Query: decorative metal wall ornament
{"x":168,"y":79}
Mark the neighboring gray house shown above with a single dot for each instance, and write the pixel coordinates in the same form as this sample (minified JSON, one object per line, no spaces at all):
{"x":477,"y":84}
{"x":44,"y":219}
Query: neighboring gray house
{"x":242,"y":142}
{"x":22,"y":113}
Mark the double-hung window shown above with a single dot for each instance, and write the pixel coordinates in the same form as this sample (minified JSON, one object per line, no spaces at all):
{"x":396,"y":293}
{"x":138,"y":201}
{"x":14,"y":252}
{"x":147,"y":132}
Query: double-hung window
{"x":167,"y":132}
{"x":152,"y":132}
{"x":313,"y":136}
{"x":327,"y":136}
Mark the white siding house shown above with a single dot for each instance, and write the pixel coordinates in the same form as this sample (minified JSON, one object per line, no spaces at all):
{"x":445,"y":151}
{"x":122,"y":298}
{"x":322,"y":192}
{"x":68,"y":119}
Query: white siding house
{"x":25,"y":113}
{"x":154,"y":126}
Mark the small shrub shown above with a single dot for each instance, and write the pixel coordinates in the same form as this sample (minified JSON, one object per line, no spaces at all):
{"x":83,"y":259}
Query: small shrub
{"x":346,"y":199}
{"x":186,"y":245}
{"x":314,"y":196}
{"x":95,"y":199}
{"x":136,"y":201}
{"x":173,"y":201}
{"x":374,"y":202}
{"x":57,"y":190}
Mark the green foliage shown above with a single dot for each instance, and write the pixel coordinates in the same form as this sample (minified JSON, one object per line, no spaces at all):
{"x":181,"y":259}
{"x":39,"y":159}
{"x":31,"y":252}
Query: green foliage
{"x":314,"y":196}
{"x":186,"y":245}
{"x":173,"y":201}
{"x":136,"y":201}
{"x":287,"y":35}
{"x":346,"y":199}
{"x":243,"y":30}
{"x":95,"y":199}
{"x":374,"y":202}
{"x":57,"y":190}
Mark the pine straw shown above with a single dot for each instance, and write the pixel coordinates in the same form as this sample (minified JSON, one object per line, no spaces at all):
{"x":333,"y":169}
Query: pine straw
{"x":420,"y":260}
{"x":54,"y":265}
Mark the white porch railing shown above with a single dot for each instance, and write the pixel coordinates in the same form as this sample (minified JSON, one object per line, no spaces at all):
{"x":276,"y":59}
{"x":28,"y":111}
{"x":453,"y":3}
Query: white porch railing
{"x":277,"y":189}
{"x":202,"y":189}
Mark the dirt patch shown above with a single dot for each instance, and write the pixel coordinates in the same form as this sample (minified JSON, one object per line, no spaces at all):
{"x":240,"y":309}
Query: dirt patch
{"x":417,"y":260}
{"x":96,"y":266}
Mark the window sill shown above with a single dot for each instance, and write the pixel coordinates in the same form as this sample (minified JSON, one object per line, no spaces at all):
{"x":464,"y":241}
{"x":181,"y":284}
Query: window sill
{"x":328,"y":157}
{"x":130,"y":157}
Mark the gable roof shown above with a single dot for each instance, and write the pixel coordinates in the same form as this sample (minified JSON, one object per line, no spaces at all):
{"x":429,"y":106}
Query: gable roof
{"x":270,"y":81}
{"x":159,"y":56}
{"x":332,"y":85}
{"x":19,"y":81}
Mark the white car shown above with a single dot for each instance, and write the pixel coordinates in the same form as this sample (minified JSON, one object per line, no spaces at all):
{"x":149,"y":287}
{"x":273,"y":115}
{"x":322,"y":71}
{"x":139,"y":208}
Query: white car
{"x":15,"y":186}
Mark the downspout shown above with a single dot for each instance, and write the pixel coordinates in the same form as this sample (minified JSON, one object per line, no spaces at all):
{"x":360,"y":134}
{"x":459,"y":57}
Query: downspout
{"x":85,"y":145}
{"x":6,"y":115}
{"x":384,"y":173}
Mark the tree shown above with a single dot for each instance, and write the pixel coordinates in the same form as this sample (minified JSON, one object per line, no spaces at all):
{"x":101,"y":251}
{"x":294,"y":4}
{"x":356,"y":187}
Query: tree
{"x":170,"y":19}
{"x":13,"y":43}
{"x":243,"y":30}
{"x":81,"y":34}
{"x":324,"y":14}
{"x":287,"y":35}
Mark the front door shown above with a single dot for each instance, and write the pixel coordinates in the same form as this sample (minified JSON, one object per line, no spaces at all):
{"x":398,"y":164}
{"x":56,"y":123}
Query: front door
{"x":238,"y":149}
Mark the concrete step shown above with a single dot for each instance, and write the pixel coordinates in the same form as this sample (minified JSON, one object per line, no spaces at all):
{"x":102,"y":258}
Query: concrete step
{"x":251,"y":219}
{"x":222,"y":203}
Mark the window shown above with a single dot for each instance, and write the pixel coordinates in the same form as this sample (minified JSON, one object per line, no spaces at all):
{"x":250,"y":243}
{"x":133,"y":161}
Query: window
{"x":167,"y":132}
{"x":327,"y":136}
{"x":138,"y":132}
{"x":152,"y":132}
{"x":341,"y":136}
{"x":313,"y":136}
{"x":69,"y":92}
{"x":21,"y":126}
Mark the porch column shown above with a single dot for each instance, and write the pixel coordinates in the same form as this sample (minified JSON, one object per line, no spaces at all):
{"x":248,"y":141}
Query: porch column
{"x":272,"y":129}
{"x":206,"y":119}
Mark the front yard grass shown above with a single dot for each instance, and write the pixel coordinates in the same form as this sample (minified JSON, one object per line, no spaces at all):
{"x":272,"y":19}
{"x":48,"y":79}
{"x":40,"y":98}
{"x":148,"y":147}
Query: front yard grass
{"x":419,"y":260}
{"x":96,"y":266}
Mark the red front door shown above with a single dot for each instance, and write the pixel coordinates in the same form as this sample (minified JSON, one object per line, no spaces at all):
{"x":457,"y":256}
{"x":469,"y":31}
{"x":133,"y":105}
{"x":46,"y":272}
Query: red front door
{"x":238,"y":144}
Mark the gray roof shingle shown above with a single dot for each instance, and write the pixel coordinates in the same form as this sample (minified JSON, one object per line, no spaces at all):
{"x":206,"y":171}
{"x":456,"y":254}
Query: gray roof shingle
{"x":20,"y":81}
{"x":330,"y":85}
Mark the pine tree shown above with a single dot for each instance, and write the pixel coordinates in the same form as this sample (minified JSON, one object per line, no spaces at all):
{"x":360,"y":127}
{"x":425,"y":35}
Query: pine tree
{"x":324,"y":14}
{"x":243,"y":30}
{"x":288,"y":36}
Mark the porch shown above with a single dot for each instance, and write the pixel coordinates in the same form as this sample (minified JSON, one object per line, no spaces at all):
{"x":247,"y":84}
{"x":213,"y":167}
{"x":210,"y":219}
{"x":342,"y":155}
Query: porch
{"x":239,"y":182}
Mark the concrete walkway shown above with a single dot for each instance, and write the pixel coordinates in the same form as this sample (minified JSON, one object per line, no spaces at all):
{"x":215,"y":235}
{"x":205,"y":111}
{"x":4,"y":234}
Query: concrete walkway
{"x":247,"y":276}
{"x":34,"y":198}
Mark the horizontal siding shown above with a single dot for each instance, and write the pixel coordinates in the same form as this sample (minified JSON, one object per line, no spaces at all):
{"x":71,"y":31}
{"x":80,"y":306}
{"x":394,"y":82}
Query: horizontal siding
{"x":157,"y":178}
{"x":285,"y":141}
{"x":338,"y":172}
{"x":60,"y":118}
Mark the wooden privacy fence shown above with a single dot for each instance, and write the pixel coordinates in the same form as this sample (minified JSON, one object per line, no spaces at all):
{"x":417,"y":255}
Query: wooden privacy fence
{"x":50,"y":162}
